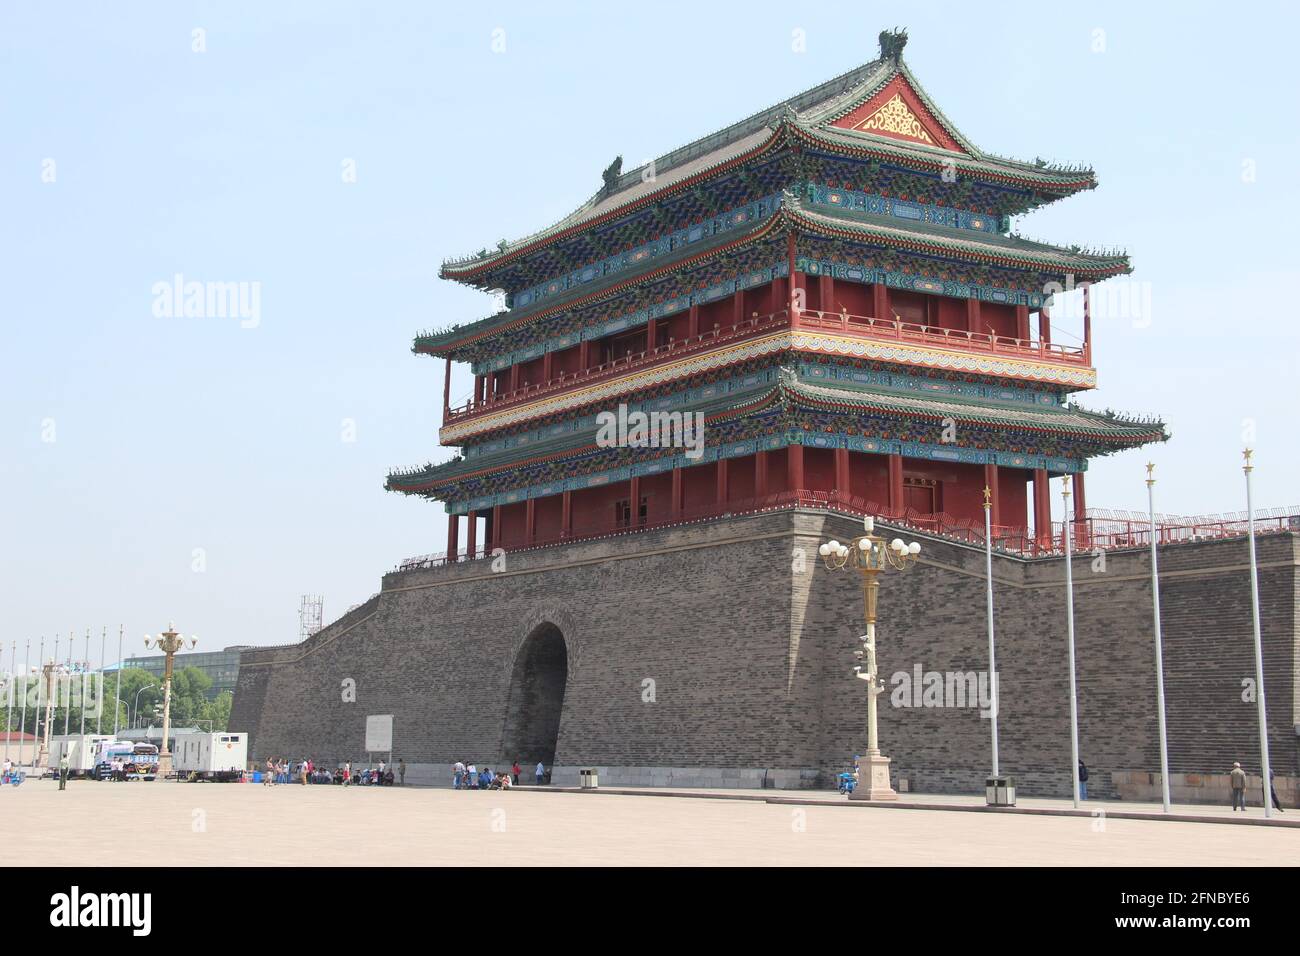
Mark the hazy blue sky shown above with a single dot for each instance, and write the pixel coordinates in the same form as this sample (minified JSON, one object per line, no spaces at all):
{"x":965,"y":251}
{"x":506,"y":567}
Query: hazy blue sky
{"x":173,"y":434}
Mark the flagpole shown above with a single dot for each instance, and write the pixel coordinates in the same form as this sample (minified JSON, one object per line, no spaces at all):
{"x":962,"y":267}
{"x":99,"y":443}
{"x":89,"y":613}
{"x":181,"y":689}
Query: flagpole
{"x":1160,"y":658}
{"x":117,"y":694}
{"x":988,"y":574}
{"x":83,"y":686}
{"x":67,"y":704}
{"x":22,"y":720}
{"x":13,"y":676}
{"x":99,"y":718}
{"x":1259,"y":645}
{"x":1069,"y":626}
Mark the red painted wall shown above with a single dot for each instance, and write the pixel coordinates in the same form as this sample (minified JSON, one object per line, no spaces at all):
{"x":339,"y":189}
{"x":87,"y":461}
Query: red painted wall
{"x":550,"y":514}
{"x":1001,"y":317}
{"x":1013,"y":496}
{"x":567,"y":361}
{"x":818,"y":469}
{"x":869,"y":477}
{"x":699,"y":485}
{"x":740,"y":478}
{"x":657,"y":490}
{"x":853,"y":296}
{"x":512,"y":526}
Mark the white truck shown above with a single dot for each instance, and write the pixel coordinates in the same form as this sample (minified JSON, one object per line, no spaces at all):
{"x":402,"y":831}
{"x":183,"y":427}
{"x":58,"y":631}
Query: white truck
{"x":220,"y":756}
{"x":81,"y":750}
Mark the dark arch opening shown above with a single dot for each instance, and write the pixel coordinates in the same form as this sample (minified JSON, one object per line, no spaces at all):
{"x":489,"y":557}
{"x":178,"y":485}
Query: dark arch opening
{"x":537,"y":685}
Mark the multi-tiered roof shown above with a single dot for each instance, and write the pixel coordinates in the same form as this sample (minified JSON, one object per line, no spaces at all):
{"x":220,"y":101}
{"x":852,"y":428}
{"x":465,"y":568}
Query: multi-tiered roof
{"x":861,"y":183}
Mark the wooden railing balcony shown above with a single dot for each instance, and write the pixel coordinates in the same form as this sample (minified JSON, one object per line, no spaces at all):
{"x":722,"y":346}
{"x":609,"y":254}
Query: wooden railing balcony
{"x":756,"y":325}
{"x":961,"y":339}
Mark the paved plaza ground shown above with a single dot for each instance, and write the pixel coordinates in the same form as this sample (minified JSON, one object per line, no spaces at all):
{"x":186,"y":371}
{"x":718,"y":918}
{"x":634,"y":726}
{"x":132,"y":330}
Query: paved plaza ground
{"x":169,"y":823}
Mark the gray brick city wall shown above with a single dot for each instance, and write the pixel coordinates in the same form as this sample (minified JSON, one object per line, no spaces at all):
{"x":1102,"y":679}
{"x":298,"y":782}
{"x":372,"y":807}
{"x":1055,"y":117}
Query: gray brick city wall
{"x":721,"y":653}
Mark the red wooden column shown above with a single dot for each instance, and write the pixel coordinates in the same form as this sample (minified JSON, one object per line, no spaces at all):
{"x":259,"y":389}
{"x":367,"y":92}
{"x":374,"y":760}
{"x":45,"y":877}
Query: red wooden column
{"x":1087,"y":323}
{"x":973,"y":315}
{"x":1081,"y":529}
{"x":693,"y":321}
{"x":494,"y":538}
{"x":880,"y":301}
{"x":991,"y":483}
{"x":737,"y":306}
{"x":721,"y":495}
{"x":471,"y":534}
{"x":1045,"y":326}
{"x":453,"y":529}
{"x":760,"y":474}
{"x":514,"y":377}
{"x":446,"y":388}
{"x":794,"y":467}
{"x":777,"y":298}
{"x":548,"y":366}
{"x":896,"y":484}
{"x":584,"y":355}
{"x":651,"y":334}
{"x":797,"y":283}
{"x":530,"y":521}
{"x":842,"y":472}
{"x":566,"y":514}
{"x":826,"y":293}
{"x":634,"y":503}
{"x":1042,"y":508}
{"x":1022,"y":322}
{"x":676,"y":508}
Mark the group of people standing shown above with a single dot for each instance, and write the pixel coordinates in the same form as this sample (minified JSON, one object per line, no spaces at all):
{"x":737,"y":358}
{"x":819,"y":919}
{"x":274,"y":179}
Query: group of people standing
{"x":466,"y":776}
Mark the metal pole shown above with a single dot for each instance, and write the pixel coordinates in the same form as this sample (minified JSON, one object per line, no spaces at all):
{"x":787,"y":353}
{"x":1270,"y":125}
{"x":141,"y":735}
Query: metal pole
{"x":22,"y":720}
{"x":13,"y":676}
{"x":1069,"y":625}
{"x":40,"y":690}
{"x":67,"y":704}
{"x":993,"y":667}
{"x":99,"y":718}
{"x":121,"y":628}
{"x":1259,"y":646}
{"x":1160,"y":659}
{"x":83,"y":687}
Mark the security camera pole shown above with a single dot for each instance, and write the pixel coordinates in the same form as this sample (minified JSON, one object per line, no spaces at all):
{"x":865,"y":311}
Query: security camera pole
{"x":870,"y":555}
{"x":169,"y":642}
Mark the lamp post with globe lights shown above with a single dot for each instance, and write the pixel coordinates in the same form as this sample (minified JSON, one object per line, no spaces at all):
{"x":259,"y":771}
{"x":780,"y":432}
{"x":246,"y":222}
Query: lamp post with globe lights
{"x":169,"y":642}
{"x":870,"y":555}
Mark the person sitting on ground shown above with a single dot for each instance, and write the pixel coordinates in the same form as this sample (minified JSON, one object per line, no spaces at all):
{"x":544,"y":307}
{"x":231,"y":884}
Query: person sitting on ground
{"x":506,"y":782}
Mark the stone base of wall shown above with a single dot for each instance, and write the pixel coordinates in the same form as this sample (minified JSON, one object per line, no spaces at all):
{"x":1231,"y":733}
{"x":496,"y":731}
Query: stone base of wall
{"x":1213,"y":788}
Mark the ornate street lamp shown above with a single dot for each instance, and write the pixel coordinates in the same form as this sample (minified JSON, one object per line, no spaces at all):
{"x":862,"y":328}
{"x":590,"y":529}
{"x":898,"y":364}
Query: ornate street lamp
{"x":169,"y":642}
{"x":870,"y":555}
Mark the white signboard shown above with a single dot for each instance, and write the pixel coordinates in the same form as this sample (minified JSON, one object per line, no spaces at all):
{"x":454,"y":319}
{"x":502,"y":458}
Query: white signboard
{"x":379,"y":733}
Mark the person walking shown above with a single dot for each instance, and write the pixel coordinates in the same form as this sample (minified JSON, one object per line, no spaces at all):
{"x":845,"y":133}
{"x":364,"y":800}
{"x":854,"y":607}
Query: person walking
{"x":1237,"y":778}
{"x":302,"y":771}
{"x":401,"y":772}
{"x":457,"y":774}
{"x":515,"y":770}
{"x":1083,"y":780}
{"x":268,"y":775}
{"x":63,"y":770}
{"x":541,"y":772}
{"x":1272,"y":792}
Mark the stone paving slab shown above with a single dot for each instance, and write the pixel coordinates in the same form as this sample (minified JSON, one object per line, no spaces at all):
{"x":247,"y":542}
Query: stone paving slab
{"x":1184,"y":813}
{"x":181,"y":824}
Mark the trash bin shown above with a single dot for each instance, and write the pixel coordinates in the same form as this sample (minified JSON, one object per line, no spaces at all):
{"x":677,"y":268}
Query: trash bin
{"x":1000,"y":791}
{"x":587,"y":779}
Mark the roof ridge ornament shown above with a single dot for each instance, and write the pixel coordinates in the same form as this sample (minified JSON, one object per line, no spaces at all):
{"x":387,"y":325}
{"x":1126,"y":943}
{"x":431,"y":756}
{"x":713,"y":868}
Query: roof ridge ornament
{"x":892,"y":43}
{"x":611,"y":175}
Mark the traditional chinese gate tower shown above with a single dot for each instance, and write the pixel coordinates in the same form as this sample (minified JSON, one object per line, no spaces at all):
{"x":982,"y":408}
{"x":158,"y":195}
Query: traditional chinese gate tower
{"x":832,"y":282}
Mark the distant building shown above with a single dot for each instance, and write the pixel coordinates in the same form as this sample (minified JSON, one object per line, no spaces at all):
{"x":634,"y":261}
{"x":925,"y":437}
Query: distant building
{"x":222,"y":666}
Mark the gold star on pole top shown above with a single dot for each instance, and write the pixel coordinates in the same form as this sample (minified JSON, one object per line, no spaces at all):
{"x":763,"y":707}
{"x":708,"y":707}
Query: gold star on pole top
{"x":1151,"y":476}
{"x":988,"y":497}
{"x":1246,"y":453}
{"x":1065,"y":486}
